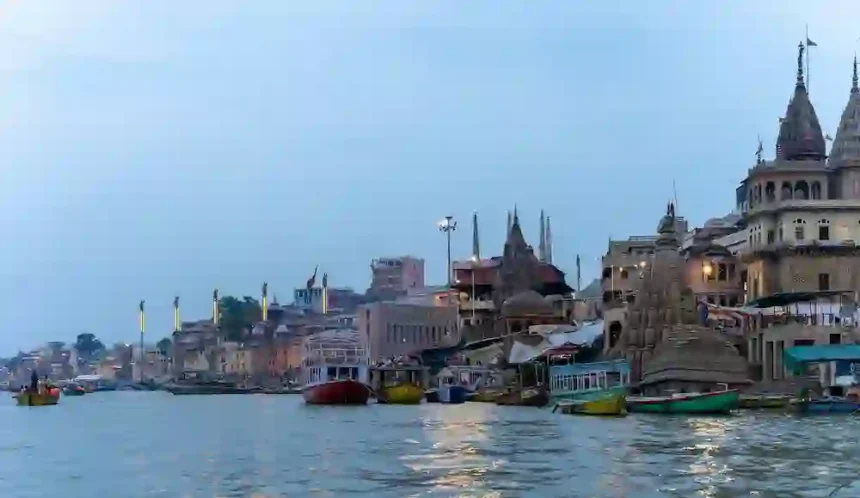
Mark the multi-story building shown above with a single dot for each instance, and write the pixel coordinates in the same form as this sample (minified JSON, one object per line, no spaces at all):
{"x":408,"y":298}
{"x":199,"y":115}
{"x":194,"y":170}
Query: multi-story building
{"x":393,"y":329}
{"x":802,"y":212}
{"x":394,"y":276}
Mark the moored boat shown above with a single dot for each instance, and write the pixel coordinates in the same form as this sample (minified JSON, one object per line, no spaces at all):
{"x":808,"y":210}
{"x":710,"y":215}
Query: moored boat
{"x":73,"y":390}
{"x":536,"y":396}
{"x":598,"y":388}
{"x":765,"y":401}
{"x":827,"y":405}
{"x":718,"y":402}
{"x":48,"y":397}
{"x":208,"y":388}
{"x":336,"y":370}
{"x":399,"y":383}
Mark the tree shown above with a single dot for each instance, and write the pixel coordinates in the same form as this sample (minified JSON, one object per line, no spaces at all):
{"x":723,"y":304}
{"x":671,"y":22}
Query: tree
{"x":238,"y":316}
{"x":164,"y":346}
{"x":88,"y":345}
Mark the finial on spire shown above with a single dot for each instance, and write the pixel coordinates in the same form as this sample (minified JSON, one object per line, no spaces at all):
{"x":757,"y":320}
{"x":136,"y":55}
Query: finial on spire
{"x":854,"y":88}
{"x":759,"y":151}
{"x":800,"y":49}
{"x":510,"y":224}
{"x":516,"y":216}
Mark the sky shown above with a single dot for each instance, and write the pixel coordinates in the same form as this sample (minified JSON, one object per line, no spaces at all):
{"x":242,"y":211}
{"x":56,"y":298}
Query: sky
{"x":155,"y":148}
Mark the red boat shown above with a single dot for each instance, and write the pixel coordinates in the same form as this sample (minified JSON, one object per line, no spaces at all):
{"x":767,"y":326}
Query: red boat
{"x":335,"y":369}
{"x":337,"y":392}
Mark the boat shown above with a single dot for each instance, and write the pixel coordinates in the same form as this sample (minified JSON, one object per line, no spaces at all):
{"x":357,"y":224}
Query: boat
{"x":765,"y":401}
{"x":398,"y":383}
{"x":598,"y":388}
{"x":535,"y":394}
{"x":73,"y":390}
{"x":485,"y":396}
{"x":827,"y":405}
{"x":453,"y":387}
{"x":208,"y":388}
{"x":717,"y":402}
{"x":336,"y":370}
{"x":48,"y":397}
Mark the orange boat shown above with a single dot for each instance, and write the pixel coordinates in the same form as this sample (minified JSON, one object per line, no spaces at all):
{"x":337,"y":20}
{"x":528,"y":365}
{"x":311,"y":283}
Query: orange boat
{"x":47,"y":398}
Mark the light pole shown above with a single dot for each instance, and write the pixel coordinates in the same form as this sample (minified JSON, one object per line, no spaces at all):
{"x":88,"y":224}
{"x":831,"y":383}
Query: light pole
{"x":447,"y":226}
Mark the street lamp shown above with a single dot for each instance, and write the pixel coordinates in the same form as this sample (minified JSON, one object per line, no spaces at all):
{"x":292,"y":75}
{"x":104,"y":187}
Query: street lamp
{"x":707,"y":269}
{"x":448,"y":225}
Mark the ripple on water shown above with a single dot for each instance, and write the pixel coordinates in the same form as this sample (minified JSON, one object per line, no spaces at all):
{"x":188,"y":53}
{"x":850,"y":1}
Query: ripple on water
{"x":153,"y":444}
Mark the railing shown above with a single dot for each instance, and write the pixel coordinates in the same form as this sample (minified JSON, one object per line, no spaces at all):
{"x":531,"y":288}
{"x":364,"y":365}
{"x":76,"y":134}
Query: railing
{"x":813,"y":319}
{"x":482,"y":305}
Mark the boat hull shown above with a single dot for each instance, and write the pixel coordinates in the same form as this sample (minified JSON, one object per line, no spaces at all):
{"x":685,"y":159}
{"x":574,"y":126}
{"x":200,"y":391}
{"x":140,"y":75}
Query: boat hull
{"x":207,"y":390}
{"x":530,"y":396}
{"x":828,"y":406}
{"x":603,"y":403}
{"x":401,"y":394}
{"x":453,"y":395}
{"x":74,"y":392}
{"x":52,"y":397}
{"x":764,"y":402}
{"x":484,"y":397}
{"x":339,"y":392}
{"x":697,"y":403}
{"x":431,"y":395}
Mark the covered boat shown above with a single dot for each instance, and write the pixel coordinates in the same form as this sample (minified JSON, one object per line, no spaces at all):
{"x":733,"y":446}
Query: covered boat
{"x":598,"y":388}
{"x":836,"y":366}
{"x":719,"y":402}
{"x":336,"y":369}
{"x":399,"y":383}
{"x":73,"y":389}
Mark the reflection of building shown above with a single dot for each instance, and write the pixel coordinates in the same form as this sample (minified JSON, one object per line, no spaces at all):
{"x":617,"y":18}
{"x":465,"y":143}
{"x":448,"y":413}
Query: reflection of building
{"x":392,"y":277}
{"x":802,"y":211}
{"x":393,"y":328}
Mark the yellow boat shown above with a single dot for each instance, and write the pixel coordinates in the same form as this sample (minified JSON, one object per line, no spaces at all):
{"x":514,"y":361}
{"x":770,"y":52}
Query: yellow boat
{"x":612,"y":404}
{"x":28,"y":398}
{"x":401,"y":394}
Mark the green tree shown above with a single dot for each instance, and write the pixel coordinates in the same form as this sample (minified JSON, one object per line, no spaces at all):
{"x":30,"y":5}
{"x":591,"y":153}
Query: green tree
{"x":164,"y":346}
{"x":237,"y":316}
{"x":88,"y":345}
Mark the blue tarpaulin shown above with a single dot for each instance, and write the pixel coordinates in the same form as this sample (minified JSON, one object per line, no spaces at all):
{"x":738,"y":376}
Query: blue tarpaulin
{"x":798,"y":356}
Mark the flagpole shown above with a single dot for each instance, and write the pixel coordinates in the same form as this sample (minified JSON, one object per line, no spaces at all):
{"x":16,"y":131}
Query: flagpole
{"x":808,"y":76}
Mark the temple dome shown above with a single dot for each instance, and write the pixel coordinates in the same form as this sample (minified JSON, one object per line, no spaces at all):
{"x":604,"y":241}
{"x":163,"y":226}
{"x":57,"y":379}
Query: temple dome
{"x":527,"y":303}
{"x":846,"y":143}
{"x":800,"y":135}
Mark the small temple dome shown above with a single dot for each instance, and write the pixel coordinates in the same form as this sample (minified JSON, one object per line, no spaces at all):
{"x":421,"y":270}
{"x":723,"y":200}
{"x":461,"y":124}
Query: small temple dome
{"x":846,"y":143}
{"x":527,"y":303}
{"x":800,"y":136}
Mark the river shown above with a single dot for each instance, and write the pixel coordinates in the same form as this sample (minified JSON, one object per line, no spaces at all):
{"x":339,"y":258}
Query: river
{"x":153,"y":444}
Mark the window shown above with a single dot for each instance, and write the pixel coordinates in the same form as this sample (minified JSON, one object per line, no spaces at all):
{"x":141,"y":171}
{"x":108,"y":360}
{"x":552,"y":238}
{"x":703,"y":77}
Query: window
{"x":823,"y":232}
{"x":731,"y":273}
{"x":798,"y":229}
{"x":824,"y":281}
{"x":771,"y":237}
{"x":623,"y":274}
{"x":722,"y":272}
{"x":781,"y":234}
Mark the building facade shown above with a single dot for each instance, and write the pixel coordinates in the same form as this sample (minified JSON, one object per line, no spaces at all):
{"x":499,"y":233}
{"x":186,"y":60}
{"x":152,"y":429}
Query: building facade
{"x":801,"y":209}
{"x":394,"y":276}
{"x":394,"y":329}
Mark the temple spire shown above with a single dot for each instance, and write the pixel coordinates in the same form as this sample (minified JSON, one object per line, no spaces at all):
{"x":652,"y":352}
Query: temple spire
{"x":854,"y":88}
{"x":542,"y":243}
{"x":510,"y":224}
{"x":548,"y":242}
{"x":476,"y":245}
{"x":800,"y":49}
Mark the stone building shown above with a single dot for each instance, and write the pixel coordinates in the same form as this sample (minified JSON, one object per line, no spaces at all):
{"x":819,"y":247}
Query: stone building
{"x":393,"y":329}
{"x":664,"y":343}
{"x":801,"y":210}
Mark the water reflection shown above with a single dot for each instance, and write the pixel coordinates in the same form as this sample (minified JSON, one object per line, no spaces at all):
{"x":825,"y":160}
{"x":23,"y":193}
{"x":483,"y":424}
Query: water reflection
{"x":154,"y":445}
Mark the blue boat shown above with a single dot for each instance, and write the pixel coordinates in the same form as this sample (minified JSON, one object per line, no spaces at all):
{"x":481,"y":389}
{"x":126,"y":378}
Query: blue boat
{"x":839,"y":366}
{"x":453,"y":395}
{"x":828,"y":405}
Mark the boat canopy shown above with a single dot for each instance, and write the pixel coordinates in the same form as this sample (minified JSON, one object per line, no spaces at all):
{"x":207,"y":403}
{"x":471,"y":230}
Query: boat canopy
{"x":798,"y":356}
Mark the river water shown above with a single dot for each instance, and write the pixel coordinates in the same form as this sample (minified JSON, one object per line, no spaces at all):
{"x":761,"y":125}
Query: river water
{"x":153,"y":444}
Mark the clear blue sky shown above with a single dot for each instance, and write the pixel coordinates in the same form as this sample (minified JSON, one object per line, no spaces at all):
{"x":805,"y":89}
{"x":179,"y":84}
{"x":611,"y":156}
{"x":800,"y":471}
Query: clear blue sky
{"x":156,"y":147}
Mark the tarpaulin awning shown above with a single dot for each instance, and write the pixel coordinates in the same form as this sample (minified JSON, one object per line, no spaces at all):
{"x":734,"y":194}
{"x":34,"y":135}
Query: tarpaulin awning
{"x":796,"y":357}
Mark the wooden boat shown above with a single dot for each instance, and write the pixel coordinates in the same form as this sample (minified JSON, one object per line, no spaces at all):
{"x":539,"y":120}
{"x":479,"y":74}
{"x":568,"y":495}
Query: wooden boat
{"x":335,"y":372}
{"x":208,"y":388}
{"x":73,"y":390}
{"x":399,"y":383}
{"x":598,"y":388}
{"x":765,"y":401}
{"x":485,"y":396}
{"x":827,"y":405}
{"x":46,"y":398}
{"x":719,"y":402}
{"x":530,"y":396}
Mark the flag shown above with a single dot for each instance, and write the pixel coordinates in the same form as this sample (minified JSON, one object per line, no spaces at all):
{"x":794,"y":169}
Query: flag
{"x":141,"y":317}
{"x":810,"y":43}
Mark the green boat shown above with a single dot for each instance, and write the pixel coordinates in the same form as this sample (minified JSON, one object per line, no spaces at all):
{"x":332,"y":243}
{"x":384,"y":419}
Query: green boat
{"x":692,"y":403}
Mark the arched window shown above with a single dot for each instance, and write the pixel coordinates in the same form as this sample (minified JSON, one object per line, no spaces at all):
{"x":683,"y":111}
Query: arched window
{"x":770,"y":192}
{"x":786,"y":191}
{"x":801,"y":190}
{"x":816,"y":190}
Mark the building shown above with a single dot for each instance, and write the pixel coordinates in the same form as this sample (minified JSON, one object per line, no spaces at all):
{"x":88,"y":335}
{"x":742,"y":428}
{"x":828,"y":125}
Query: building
{"x":483,"y":286}
{"x":801,"y":210}
{"x":394,"y":276}
{"x":394,"y":329}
